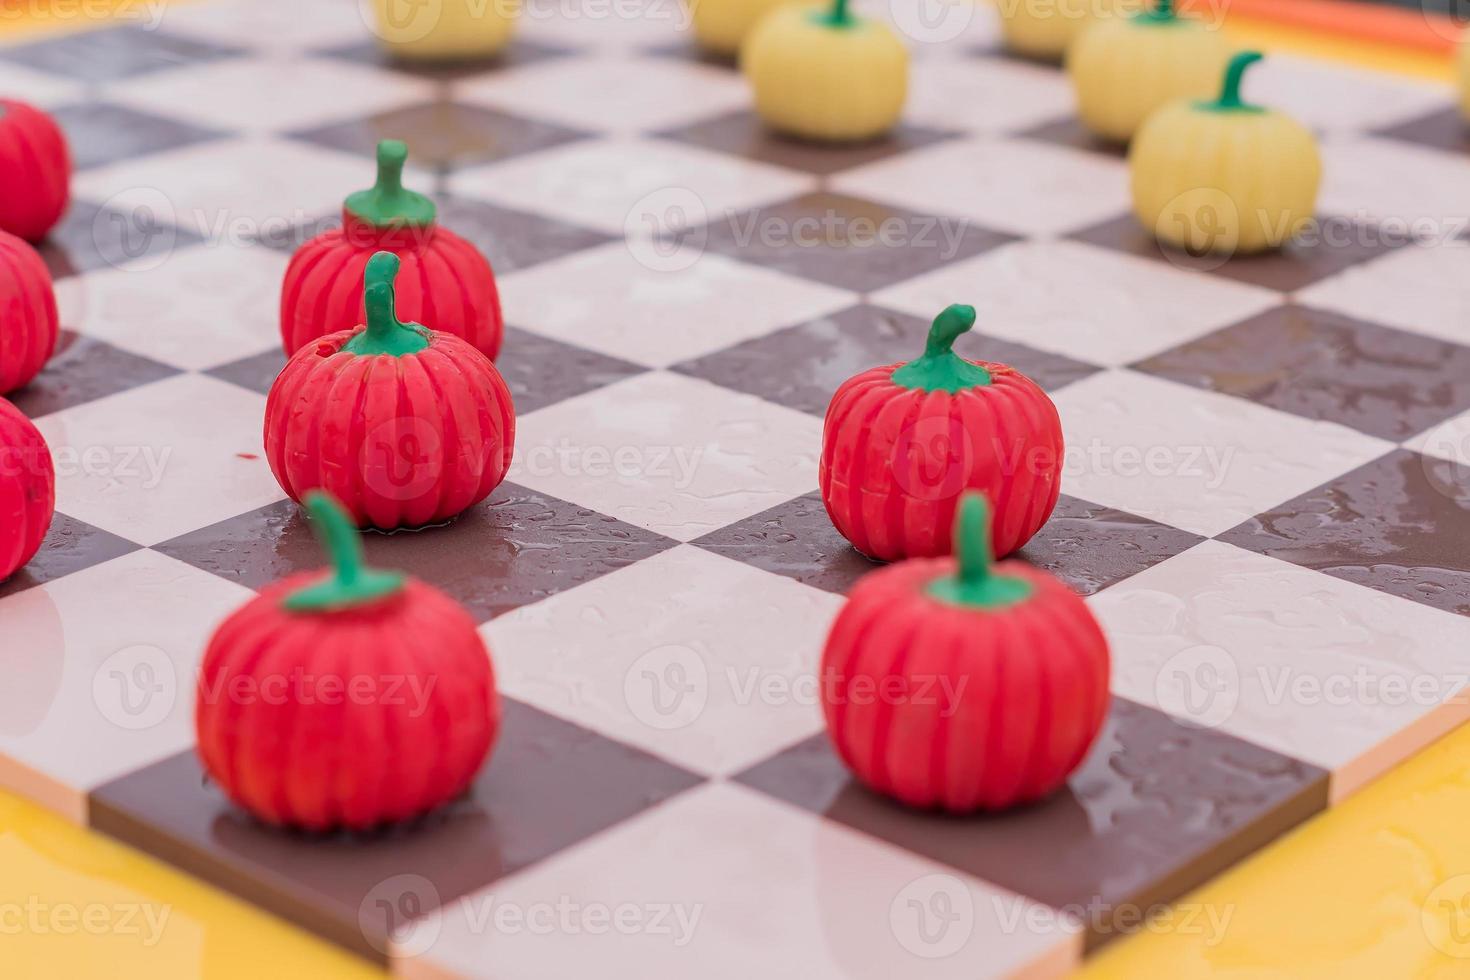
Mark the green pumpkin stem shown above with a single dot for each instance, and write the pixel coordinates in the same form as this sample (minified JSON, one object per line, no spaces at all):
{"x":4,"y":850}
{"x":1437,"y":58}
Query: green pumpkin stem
{"x":975,"y":584}
{"x":840,"y":15}
{"x":385,"y":333}
{"x":1162,"y":13}
{"x":350,"y":583}
{"x":940,"y":368}
{"x":388,"y":203}
{"x":1234,"y":73}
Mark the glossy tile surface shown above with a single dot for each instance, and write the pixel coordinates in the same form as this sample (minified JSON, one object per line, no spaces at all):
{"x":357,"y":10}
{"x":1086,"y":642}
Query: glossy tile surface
{"x":657,"y":578}
{"x":1111,"y":839}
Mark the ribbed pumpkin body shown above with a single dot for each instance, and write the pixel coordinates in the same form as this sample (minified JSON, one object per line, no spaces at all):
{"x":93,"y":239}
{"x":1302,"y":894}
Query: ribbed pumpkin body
{"x":958,"y":708}
{"x":400,"y":441}
{"x":819,"y":82}
{"x":346,"y":719}
{"x":895,"y":461}
{"x":29,"y":326}
{"x":720,"y":26}
{"x":1046,"y":28}
{"x":27,"y":489}
{"x":35,"y":171}
{"x":445,"y":282}
{"x":1124,"y":69}
{"x":1224,"y":182}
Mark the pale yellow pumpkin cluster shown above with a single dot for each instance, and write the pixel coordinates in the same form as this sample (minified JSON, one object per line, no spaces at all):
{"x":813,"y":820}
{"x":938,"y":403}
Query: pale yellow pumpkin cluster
{"x":1125,"y":68}
{"x":1224,"y":176}
{"x":444,"y":30}
{"x":826,"y":74}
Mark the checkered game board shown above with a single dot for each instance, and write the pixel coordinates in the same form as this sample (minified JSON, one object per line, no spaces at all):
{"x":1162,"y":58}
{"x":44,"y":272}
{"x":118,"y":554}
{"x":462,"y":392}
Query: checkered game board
{"x":1264,"y":498}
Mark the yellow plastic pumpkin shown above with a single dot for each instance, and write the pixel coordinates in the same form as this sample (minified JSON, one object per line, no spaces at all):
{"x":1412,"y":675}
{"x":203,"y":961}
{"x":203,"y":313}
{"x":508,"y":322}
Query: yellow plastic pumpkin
{"x":1224,"y":176}
{"x":721,"y":26}
{"x":445,"y":30}
{"x":1046,"y":28}
{"x":826,"y":74}
{"x":1124,"y":68}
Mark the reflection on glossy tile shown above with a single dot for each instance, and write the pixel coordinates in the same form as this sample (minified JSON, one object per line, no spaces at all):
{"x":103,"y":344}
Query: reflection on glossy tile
{"x":801,"y":367}
{"x":1325,"y":248}
{"x":445,"y":135}
{"x":1092,"y":547}
{"x":621,"y":184}
{"x":1022,"y":187}
{"x":98,"y":133}
{"x":1320,"y":365}
{"x":706,"y":662}
{"x":83,"y":370}
{"x":116,"y":53}
{"x":1397,"y":524}
{"x":816,"y":898}
{"x":193,"y":310}
{"x":1079,"y":301}
{"x":547,"y":786}
{"x":632,"y":94}
{"x":675,"y":455}
{"x":1323,"y":670}
{"x":844,"y":241}
{"x":517,"y":547}
{"x":70,"y":546}
{"x":1195,"y":459}
{"x":153,"y":462}
{"x":104,"y":662}
{"x":795,"y":539}
{"x":626,"y":309}
{"x":1111,"y":841}
{"x":95,"y":236}
{"x":540,"y":371}
{"x":742,"y":134}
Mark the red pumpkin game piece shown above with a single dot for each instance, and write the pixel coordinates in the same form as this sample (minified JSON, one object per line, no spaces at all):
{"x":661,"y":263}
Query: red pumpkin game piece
{"x":29,"y":326}
{"x":35,"y":171}
{"x":902,"y":442}
{"x":964,"y":686}
{"x":349,"y":699}
{"x":404,"y":425}
{"x":446,"y":281}
{"x":27,"y":489}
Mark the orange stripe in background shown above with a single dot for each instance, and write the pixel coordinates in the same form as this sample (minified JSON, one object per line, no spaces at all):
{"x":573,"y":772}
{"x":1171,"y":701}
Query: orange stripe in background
{"x":1401,"y":27}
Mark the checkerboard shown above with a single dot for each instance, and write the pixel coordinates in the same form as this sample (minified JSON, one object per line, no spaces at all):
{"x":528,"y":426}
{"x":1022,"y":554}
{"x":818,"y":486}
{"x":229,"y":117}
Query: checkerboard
{"x":1264,"y":499}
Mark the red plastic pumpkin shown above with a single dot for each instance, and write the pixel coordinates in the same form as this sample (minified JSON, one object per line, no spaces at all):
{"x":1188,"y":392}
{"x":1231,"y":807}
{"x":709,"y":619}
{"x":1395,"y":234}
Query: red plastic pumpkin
{"x":27,"y":489}
{"x":347,"y":700}
{"x":959,"y":685}
{"x":29,"y":326}
{"x":404,"y":425}
{"x":902,"y":442}
{"x":446,"y":281}
{"x":35,"y":171}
